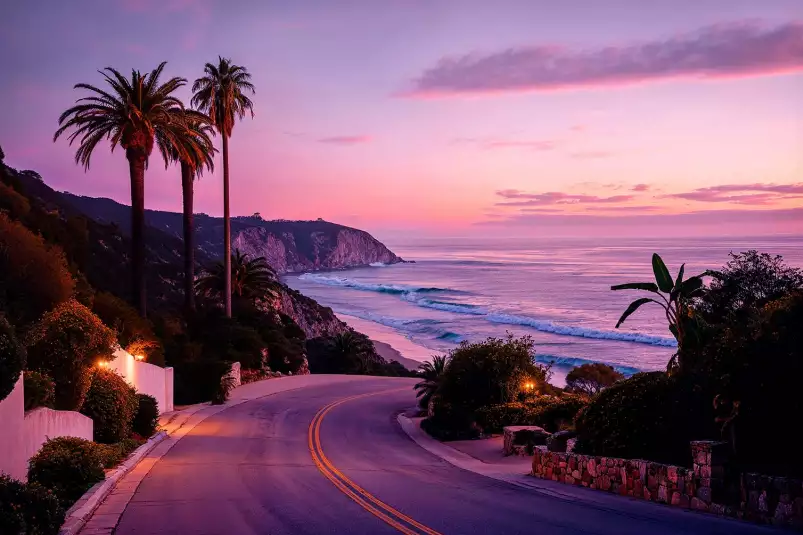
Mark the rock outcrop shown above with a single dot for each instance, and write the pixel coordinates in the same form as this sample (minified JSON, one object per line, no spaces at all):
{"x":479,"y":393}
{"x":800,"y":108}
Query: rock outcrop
{"x":288,"y":246}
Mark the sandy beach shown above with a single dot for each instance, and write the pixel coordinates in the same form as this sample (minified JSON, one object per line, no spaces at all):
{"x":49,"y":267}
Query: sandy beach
{"x":389,"y":343}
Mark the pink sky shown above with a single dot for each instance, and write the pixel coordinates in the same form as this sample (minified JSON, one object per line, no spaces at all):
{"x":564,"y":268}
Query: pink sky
{"x":511,"y":117}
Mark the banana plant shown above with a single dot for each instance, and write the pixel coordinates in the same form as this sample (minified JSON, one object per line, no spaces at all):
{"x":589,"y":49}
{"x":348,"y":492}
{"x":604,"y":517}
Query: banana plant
{"x":674,"y":297}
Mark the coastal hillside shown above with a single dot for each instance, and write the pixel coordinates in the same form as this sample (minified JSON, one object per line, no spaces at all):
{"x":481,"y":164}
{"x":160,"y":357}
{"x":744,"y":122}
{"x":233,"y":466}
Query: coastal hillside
{"x":92,"y":245}
{"x":288,"y":246}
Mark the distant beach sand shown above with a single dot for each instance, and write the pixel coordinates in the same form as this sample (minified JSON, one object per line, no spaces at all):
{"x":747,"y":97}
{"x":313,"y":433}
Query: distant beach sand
{"x":389,"y":343}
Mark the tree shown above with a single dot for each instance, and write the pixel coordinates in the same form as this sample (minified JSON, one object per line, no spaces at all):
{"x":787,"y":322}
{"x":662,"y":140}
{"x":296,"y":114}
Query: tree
{"x":251,"y":278}
{"x":136,"y":114}
{"x":748,"y":281}
{"x":65,"y":344}
{"x":675,"y":298}
{"x":12,"y":358}
{"x":591,"y":378}
{"x":34,"y":276}
{"x":220,"y":93}
{"x":198,"y":154}
{"x":431,"y":374}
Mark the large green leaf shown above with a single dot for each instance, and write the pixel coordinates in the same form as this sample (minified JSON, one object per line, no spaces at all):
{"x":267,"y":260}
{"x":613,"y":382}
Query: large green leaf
{"x":633,"y":307}
{"x":662,"y":276}
{"x":691,"y":286}
{"x":647,"y":286}
{"x":680,"y":275}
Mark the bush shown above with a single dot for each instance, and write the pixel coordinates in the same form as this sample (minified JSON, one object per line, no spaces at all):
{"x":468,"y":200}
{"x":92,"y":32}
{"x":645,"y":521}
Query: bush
{"x":112,"y":405}
{"x":134,"y":333}
{"x":68,"y":466}
{"x":29,"y":509}
{"x":486,"y":373}
{"x":65,"y":344}
{"x":649,"y":416}
{"x":113,"y":454}
{"x":591,"y":378}
{"x":34,"y":276}
{"x":199,"y":381}
{"x":147,"y":417}
{"x":12,"y":358}
{"x":223,"y":390}
{"x":551,"y":413}
{"x":39,"y":390}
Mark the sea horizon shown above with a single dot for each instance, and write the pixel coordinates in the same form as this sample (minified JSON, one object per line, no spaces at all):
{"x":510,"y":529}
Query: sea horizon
{"x":555,"y":290}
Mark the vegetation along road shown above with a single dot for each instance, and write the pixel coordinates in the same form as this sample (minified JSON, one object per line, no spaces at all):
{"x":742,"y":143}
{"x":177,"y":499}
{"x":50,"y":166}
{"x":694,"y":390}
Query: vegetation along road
{"x":331,"y":458}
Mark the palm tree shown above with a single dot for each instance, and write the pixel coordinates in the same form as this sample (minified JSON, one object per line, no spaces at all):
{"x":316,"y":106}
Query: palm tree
{"x":353,"y":350}
{"x":135,"y":114}
{"x":220,"y":93}
{"x":199,"y":154}
{"x":431,"y":373}
{"x":252,"y":278}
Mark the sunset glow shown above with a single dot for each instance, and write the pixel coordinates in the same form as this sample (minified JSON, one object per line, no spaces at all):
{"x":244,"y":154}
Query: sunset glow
{"x":506,"y":118}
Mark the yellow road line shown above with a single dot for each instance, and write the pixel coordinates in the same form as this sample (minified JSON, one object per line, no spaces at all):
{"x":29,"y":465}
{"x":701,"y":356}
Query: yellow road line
{"x":361,"y":496}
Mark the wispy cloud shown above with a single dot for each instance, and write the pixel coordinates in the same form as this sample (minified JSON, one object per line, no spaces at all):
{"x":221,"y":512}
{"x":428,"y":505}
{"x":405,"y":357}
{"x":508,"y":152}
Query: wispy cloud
{"x":515,"y":197}
{"x":493,"y":143}
{"x":640,"y":187}
{"x":738,"y":49}
{"x":591,"y":154}
{"x":345,"y":140}
{"x":750,"y":194}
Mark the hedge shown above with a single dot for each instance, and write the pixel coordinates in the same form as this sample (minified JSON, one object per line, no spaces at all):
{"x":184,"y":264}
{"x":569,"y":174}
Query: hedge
{"x":68,"y":466}
{"x":112,"y":405}
{"x":28,"y":508}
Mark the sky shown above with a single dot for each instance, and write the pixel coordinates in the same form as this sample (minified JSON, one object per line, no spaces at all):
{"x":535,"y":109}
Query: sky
{"x":448,"y":117}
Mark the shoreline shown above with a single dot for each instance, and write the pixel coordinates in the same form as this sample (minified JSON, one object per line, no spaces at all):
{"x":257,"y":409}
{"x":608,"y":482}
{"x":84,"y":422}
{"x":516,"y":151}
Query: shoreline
{"x":390,"y":344}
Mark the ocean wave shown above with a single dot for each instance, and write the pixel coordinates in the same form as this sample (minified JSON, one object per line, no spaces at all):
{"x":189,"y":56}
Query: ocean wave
{"x":378,"y":264}
{"x":582,"y":332}
{"x":571,"y":362}
{"x":428,"y":327}
{"x":446,"y":306}
{"x":343,"y":282}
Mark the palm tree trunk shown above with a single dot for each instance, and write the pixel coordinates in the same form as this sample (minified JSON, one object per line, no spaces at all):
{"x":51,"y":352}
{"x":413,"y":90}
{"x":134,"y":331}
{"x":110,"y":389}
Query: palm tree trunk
{"x":189,"y":239}
{"x":136,"y":165}
{"x":226,"y":228}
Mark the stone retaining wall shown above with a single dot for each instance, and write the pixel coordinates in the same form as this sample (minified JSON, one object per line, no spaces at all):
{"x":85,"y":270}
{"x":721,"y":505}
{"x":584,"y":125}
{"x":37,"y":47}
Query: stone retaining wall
{"x":767,"y":499}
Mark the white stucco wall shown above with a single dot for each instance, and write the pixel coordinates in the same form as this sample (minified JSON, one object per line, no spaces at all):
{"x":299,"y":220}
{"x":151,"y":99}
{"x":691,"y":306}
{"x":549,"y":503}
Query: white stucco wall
{"x":43,"y":424}
{"x":145,"y":378}
{"x":13,"y":461}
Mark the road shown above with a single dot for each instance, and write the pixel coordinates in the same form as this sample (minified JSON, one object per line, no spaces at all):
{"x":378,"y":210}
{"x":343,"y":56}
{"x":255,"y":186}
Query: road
{"x":250,"y":470}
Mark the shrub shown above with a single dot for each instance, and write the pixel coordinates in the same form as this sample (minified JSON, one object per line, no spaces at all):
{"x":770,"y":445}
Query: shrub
{"x":65,"y":344}
{"x":147,"y":417}
{"x":649,"y":416}
{"x":551,"y":413}
{"x":134,"y":333}
{"x":486,"y":373}
{"x":112,"y":404}
{"x":30,"y":509}
{"x":34,"y":276}
{"x":113,"y":454}
{"x":12,"y":358}
{"x":39,"y":390}
{"x":223,"y":390}
{"x":68,"y":466}
{"x":591,"y":378}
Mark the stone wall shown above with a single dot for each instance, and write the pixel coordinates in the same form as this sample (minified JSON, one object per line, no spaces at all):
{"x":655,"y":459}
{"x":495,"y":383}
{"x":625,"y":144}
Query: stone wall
{"x":767,"y":499}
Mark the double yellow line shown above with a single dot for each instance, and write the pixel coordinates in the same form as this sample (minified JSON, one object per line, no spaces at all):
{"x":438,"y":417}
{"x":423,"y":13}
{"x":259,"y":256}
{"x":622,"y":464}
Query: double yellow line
{"x":366,"y":500}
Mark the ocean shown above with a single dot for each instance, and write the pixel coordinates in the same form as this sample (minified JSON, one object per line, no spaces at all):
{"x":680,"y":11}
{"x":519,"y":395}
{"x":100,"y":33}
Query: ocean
{"x":555,"y":290}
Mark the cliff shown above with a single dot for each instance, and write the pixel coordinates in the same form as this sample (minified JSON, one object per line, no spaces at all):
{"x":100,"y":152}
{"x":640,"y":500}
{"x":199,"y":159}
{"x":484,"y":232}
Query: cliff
{"x":288,"y":246}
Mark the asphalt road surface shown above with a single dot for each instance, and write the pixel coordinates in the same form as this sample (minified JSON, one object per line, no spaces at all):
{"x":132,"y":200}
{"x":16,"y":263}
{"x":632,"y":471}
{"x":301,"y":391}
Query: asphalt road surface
{"x":332,"y":459}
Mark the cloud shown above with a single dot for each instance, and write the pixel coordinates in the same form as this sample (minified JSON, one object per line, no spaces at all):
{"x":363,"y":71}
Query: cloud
{"x":345,"y":140}
{"x":640,"y":187}
{"x":725,"y":221}
{"x":739,"y":49}
{"x":748,"y":194}
{"x":518,"y":198}
{"x":539,"y":145}
{"x":591,"y":154}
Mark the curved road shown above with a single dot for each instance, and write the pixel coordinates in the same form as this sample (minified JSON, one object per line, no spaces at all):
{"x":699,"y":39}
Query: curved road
{"x":250,"y":469}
